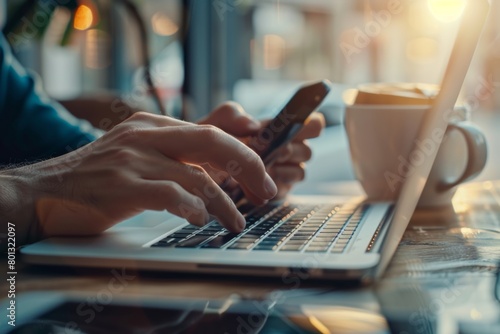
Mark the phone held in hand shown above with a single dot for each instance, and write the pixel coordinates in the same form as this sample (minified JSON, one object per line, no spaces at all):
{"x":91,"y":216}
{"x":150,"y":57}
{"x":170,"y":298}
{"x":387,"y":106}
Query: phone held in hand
{"x":283,"y":128}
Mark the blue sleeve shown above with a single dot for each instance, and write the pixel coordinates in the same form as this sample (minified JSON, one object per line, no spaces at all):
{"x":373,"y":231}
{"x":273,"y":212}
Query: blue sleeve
{"x":32,"y":127}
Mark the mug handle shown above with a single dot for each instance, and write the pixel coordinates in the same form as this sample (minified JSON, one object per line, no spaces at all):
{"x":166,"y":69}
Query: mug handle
{"x":477,"y":150}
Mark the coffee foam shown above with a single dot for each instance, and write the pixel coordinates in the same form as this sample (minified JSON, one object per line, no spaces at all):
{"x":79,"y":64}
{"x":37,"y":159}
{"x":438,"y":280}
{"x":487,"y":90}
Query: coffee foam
{"x":392,"y":94}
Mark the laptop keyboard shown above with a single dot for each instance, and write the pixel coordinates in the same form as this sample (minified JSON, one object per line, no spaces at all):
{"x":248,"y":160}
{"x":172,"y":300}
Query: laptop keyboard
{"x":280,"y":228}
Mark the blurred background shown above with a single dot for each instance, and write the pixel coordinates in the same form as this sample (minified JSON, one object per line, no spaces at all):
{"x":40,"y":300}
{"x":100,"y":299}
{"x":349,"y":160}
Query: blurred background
{"x":256,"y":52}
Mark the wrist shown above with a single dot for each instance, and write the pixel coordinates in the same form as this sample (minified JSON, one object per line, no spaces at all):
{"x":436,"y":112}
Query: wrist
{"x":17,"y":205}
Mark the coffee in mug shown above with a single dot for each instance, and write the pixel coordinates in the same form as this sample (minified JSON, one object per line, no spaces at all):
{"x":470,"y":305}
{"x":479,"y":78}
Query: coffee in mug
{"x":383,"y":122}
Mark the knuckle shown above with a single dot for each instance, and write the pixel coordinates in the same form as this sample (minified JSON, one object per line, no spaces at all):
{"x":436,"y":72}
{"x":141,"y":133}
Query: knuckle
{"x":130,"y":134}
{"x":114,"y":178}
{"x":133,"y":126}
{"x":254,"y":160}
{"x":139,"y":116}
{"x":211,"y":133}
{"x":198,"y":174}
{"x":231,"y":108}
{"x":124,"y":156}
{"x":171,"y":187}
{"x":198,"y":202}
{"x":127,"y":132}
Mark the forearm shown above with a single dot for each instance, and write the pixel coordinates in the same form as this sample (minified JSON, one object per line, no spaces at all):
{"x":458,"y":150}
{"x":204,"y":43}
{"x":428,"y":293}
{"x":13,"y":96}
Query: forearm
{"x":17,"y":207}
{"x":103,"y":111}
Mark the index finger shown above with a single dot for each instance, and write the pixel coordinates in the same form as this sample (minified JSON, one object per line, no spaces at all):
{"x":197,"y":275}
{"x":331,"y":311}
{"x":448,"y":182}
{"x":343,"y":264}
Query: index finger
{"x":312,"y":128}
{"x":198,"y":144}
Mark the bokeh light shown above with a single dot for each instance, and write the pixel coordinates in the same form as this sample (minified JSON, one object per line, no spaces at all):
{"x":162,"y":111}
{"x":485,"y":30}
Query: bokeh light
{"x":83,"y":18}
{"x":447,"y":10}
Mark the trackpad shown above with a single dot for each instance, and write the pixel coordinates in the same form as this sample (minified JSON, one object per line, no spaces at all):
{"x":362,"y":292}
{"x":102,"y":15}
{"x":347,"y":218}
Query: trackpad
{"x":147,"y":219}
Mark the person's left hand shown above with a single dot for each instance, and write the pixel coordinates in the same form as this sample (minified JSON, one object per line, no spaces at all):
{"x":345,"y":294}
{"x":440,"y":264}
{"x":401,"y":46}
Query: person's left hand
{"x":289,"y":168}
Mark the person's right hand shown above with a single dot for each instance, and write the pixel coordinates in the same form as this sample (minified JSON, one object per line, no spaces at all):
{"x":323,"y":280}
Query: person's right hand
{"x":146,"y":163}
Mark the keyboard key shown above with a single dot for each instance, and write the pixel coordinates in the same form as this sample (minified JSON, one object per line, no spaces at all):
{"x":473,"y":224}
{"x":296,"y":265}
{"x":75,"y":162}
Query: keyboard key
{"x":308,"y":229}
{"x":189,"y":228}
{"x":320,"y":244}
{"x":214,"y":229}
{"x":291,"y":248}
{"x":324,"y":234}
{"x":295,"y":242}
{"x":220,"y":240}
{"x":241,"y":245}
{"x":340,"y":217}
{"x":321,"y":239}
{"x":254,"y":232}
{"x":193,"y":242}
{"x":280,"y":233}
{"x":249,"y":238}
{"x":328,"y":228}
{"x":313,"y":225}
{"x":274,"y":238}
{"x":181,"y":235}
{"x":260,"y":247}
{"x":319,"y":249}
{"x":167,"y":242}
{"x":298,"y":236}
{"x":285,"y":228}
{"x":268,"y":244}
{"x":337,"y":250}
{"x":295,"y":220}
{"x":203,"y":232}
{"x":334,"y":224}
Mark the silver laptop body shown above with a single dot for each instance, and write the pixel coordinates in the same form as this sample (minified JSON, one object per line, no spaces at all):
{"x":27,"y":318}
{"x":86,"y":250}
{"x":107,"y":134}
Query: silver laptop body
{"x":336,"y":238}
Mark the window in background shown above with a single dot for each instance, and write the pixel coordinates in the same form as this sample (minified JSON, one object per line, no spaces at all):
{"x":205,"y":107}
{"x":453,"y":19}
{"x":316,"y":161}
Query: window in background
{"x":254,"y":51}
{"x":352,"y":42}
{"x":91,"y":46}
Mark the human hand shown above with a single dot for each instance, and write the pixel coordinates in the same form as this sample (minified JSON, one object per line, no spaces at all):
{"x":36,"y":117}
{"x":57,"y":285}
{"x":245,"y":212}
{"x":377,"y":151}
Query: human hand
{"x":146,"y":163}
{"x":290,"y":166}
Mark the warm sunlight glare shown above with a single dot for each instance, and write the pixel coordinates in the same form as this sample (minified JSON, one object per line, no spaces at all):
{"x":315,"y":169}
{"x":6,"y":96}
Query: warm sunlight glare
{"x":274,"y":51}
{"x":447,"y":10}
{"x":83,"y":18}
{"x":422,"y":49}
{"x":163,"y":25}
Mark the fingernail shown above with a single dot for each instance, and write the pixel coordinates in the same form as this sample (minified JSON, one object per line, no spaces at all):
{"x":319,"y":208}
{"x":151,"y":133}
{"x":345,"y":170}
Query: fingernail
{"x":270,"y":186}
{"x":242,"y":223}
{"x":202,"y":221}
{"x":253,"y":124}
{"x":206,"y":218}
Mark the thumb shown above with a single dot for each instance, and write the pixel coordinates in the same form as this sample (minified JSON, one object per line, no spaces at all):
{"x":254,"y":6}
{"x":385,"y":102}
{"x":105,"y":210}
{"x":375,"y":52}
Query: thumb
{"x":231,"y":118}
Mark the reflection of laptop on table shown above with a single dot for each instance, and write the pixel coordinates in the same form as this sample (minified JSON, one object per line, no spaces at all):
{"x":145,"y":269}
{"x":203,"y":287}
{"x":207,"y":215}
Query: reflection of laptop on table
{"x":345,"y":239}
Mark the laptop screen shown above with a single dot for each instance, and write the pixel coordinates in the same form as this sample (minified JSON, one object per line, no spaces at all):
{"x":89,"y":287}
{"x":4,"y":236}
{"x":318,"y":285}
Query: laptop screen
{"x":435,"y":124}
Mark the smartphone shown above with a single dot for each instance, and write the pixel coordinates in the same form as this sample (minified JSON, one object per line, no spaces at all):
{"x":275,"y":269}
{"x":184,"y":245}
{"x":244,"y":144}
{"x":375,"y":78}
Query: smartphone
{"x":285,"y":126}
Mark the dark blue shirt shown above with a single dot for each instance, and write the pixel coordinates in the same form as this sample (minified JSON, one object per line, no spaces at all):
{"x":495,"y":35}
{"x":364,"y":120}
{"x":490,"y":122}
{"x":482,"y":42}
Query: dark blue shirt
{"x":33,"y":127}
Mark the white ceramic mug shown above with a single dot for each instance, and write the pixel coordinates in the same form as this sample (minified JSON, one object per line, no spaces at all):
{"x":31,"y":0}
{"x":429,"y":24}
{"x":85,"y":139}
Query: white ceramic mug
{"x":384,"y":149}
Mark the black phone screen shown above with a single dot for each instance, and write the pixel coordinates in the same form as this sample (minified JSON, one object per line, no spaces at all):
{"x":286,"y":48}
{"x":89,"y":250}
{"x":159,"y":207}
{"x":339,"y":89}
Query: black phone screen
{"x":285,"y":126}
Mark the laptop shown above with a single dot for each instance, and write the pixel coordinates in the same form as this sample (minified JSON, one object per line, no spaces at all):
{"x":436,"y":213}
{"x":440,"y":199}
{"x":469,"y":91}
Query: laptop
{"x":331,"y":238}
